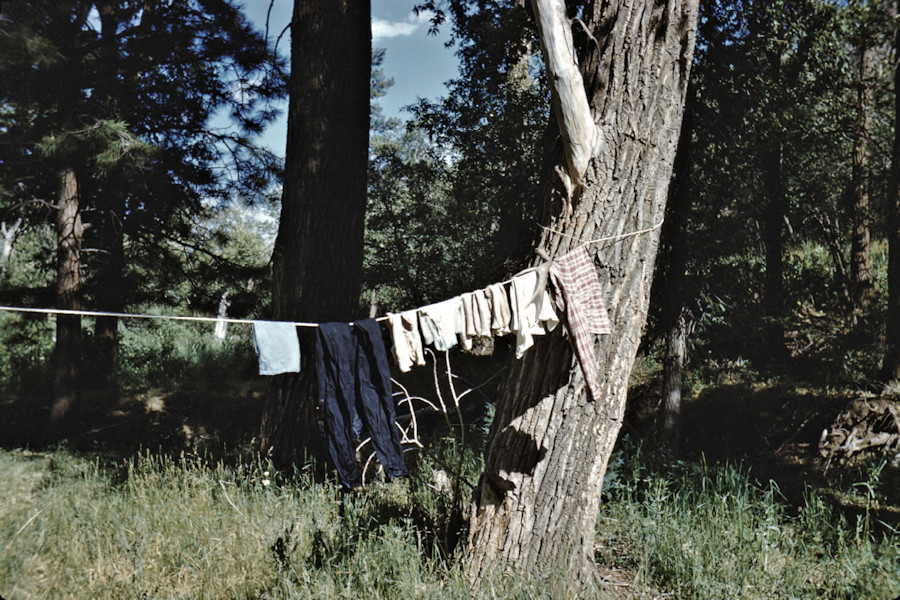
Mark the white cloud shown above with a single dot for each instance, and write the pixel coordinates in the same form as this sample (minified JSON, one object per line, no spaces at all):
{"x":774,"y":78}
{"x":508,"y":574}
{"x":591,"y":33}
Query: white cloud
{"x":382,"y":29}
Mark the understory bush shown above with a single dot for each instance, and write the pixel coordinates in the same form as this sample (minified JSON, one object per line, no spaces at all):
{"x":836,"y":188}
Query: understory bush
{"x":150,"y":352}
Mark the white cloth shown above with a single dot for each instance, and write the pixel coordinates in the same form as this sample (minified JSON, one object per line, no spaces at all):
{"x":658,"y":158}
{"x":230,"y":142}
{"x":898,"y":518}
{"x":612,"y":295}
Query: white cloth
{"x":532,"y":310}
{"x":441,"y":323}
{"x":498,"y":303}
{"x":408,"y":349}
{"x":467,"y":331}
{"x":481,"y":313}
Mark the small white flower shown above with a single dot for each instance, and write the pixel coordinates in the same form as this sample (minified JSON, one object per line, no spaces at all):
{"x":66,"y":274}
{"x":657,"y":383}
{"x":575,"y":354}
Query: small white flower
{"x":265,"y":482}
{"x":265,"y":473}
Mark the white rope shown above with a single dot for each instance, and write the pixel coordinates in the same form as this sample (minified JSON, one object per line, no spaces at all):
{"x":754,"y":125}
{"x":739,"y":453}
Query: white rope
{"x":90,"y":313}
{"x":613,"y":238}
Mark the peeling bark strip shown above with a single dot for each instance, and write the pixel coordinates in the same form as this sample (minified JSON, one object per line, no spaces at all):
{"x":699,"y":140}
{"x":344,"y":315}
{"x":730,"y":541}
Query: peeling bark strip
{"x":570,"y":104}
{"x":536,"y":507}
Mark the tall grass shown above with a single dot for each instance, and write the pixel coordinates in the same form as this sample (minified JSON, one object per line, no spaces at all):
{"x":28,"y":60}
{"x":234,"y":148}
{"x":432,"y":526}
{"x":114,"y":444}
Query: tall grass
{"x":156,"y":526}
{"x":703,"y":532}
{"x":181,"y":528}
{"x":161,"y":527}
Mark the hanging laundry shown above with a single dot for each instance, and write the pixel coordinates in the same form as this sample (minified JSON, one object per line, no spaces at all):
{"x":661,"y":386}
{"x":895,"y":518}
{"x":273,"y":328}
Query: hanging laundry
{"x":407,"y":340}
{"x":468,"y":329}
{"x":501,"y":314}
{"x":478,"y":314}
{"x":579,"y":296}
{"x":377,"y":395}
{"x":356,"y":397}
{"x":277,"y":346}
{"x":441,"y":323}
{"x":532,"y":309}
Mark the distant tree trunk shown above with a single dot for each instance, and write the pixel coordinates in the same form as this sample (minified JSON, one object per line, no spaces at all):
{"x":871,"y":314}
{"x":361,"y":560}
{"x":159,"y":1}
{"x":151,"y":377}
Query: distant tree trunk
{"x":108,"y":287}
{"x":672,"y":288}
{"x":858,"y":202}
{"x":516,"y":222}
{"x":8,"y":234}
{"x":536,"y":506}
{"x":66,"y":369}
{"x":317,"y":261}
{"x":891,"y":365}
{"x":774,"y":214}
{"x":109,"y":296}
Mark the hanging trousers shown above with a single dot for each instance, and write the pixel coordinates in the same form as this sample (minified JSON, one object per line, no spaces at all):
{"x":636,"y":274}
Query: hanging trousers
{"x":356,"y":397}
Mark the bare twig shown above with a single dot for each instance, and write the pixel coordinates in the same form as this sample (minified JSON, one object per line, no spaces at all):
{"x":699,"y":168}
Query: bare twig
{"x":227,"y":497}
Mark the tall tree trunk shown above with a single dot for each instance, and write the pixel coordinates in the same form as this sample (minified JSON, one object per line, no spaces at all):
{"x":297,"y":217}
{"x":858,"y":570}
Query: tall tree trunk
{"x":773,"y":238}
{"x":537,"y":503}
{"x":109,"y":296}
{"x":675,"y":318}
{"x":891,"y":366}
{"x":862,"y":290}
{"x":109,"y":290}
{"x":69,"y":231}
{"x":317,"y":260}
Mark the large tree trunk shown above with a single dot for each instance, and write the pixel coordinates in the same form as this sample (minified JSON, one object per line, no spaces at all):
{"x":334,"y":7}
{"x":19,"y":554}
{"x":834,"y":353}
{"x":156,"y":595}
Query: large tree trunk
{"x":69,"y":232}
{"x":861,"y":286}
{"x":318,"y":254}
{"x":537,"y":503}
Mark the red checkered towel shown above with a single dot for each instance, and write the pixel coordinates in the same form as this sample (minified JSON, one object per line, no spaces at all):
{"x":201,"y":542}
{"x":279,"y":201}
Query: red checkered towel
{"x":579,"y":297}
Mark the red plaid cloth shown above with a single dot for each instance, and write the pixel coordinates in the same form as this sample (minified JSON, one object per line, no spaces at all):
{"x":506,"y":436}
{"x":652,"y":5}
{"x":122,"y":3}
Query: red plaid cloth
{"x":579,"y":297}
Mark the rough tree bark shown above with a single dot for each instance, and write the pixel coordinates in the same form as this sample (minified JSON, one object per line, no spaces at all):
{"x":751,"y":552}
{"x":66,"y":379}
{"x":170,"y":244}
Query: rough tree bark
{"x":317,"y":262}
{"x":69,"y":233}
{"x":537,"y":503}
{"x":858,"y":200}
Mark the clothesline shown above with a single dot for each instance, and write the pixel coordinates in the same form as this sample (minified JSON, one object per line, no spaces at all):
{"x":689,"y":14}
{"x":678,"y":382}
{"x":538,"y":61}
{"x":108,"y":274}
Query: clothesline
{"x":612,"y":238}
{"x":92,"y":313}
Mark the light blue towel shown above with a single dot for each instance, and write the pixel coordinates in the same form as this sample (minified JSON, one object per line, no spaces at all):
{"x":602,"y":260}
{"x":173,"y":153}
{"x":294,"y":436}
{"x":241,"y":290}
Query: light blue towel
{"x":277,"y":346}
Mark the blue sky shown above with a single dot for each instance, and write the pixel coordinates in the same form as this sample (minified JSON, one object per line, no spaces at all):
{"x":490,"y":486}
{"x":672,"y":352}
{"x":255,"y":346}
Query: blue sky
{"x":418,"y":63}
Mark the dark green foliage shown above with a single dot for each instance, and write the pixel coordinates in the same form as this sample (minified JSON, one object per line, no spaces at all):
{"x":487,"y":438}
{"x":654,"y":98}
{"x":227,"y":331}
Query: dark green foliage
{"x":164,"y":102}
{"x":772,"y":74}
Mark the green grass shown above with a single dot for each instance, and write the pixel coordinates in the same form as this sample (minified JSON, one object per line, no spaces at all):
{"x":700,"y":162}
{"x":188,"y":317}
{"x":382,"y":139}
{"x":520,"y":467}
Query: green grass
{"x":703,"y":532}
{"x":162,"y":527}
{"x":180,"y":528}
{"x":156,"y":526}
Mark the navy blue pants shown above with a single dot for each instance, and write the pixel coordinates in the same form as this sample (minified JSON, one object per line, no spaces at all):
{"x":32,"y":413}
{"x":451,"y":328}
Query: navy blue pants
{"x":356,"y":397}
